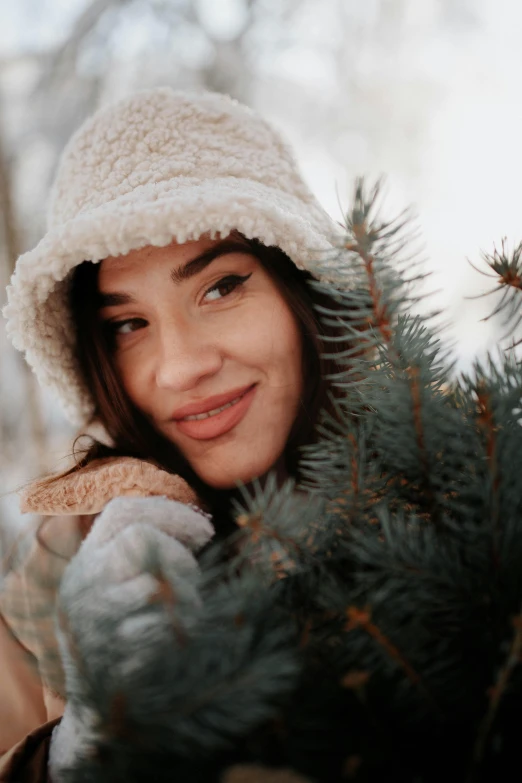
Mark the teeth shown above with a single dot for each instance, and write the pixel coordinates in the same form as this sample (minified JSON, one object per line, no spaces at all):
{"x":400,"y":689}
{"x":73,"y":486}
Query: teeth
{"x":199,"y":416}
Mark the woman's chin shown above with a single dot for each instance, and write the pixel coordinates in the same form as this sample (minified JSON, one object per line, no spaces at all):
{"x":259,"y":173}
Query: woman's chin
{"x":225,"y":482}
{"x":229,"y":480}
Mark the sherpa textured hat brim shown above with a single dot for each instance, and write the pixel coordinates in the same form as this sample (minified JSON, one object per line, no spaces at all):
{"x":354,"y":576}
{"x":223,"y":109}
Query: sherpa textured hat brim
{"x":156,"y":167}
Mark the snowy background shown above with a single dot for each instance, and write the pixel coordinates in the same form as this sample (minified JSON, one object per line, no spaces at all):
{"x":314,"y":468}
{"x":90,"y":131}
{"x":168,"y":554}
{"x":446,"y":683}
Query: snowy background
{"x":425,"y":92}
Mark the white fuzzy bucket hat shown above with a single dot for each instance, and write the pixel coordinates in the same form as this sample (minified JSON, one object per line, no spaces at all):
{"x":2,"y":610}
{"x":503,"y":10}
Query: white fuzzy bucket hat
{"x":158,"y":166}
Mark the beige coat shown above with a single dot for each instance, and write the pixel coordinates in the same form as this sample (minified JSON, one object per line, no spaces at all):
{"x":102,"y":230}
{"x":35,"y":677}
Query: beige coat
{"x":32,"y":689}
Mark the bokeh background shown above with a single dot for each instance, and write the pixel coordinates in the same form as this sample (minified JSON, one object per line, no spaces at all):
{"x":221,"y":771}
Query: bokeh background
{"x":424,"y":92}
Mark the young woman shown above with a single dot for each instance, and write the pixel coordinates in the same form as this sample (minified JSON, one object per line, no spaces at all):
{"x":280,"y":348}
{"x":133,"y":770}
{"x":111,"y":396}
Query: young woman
{"x":168,"y":307}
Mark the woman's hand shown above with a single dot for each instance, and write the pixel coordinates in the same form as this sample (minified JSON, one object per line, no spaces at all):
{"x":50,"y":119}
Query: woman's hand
{"x":132,"y":584}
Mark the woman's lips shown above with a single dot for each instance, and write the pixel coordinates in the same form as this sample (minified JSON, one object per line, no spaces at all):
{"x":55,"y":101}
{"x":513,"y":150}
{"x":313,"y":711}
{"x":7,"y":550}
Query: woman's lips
{"x":220,"y":423}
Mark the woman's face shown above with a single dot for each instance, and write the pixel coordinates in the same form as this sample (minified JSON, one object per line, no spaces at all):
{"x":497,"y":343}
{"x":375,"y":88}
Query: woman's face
{"x":199,"y":325}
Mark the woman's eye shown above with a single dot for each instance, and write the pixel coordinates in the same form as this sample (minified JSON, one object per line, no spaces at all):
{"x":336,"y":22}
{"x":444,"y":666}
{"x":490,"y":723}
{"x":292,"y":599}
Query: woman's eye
{"x":116,"y":328}
{"x":225,"y":286}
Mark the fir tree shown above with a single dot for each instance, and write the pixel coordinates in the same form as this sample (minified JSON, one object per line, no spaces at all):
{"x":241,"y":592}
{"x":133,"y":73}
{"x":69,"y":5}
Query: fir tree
{"x":372,"y":629}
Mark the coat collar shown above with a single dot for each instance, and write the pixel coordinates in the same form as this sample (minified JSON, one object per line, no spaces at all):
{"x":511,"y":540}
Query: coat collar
{"x":88,"y":489}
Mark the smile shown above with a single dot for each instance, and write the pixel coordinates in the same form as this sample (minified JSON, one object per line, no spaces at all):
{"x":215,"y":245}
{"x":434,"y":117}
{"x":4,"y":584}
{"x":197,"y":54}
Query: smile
{"x":199,"y":416}
{"x":216,"y":422}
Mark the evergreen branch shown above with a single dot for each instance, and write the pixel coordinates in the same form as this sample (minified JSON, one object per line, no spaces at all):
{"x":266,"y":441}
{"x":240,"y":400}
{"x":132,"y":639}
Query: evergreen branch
{"x":507,"y":267}
{"x":372,"y":281}
{"x":258,"y":531}
{"x":381,"y":318}
{"x":361,"y":618}
{"x":290,"y":524}
{"x":412,"y":374}
{"x":484,"y":274}
{"x":507,"y":270}
{"x":354,"y":476}
{"x":496,"y":693}
{"x":281,"y":563}
{"x":165,"y":595}
{"x":486,"y":421}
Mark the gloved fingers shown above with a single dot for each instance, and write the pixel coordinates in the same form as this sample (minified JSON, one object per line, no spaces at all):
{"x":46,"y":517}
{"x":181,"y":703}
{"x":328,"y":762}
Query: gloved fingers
{"x":137,"y":549}
{"x":122,"y":611}
{"x":130,"y":617}
{"x":189,"y":525}
{"x":140,"y":566}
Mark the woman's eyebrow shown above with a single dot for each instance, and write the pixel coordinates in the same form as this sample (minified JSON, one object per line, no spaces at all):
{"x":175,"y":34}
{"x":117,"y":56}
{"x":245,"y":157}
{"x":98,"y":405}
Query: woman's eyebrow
{"x":184,"y":272}
{"x":112,"y":300}
{"x":196,"y":265}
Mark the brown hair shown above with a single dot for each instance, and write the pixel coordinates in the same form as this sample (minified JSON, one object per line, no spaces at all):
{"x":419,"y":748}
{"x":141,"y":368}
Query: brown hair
{"x":130,"y":430}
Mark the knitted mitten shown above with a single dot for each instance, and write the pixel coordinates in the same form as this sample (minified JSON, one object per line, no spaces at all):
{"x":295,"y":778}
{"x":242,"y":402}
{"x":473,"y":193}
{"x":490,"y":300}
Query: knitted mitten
{"x":137,"y":555}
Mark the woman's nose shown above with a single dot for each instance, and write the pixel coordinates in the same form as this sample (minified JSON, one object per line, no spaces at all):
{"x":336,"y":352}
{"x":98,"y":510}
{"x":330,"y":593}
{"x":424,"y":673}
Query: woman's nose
{"x":183,"y":360}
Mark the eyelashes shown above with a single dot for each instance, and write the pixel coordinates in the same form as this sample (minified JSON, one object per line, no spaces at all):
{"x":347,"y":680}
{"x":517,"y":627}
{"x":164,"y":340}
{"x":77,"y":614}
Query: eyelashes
{"x":231,"y":281}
